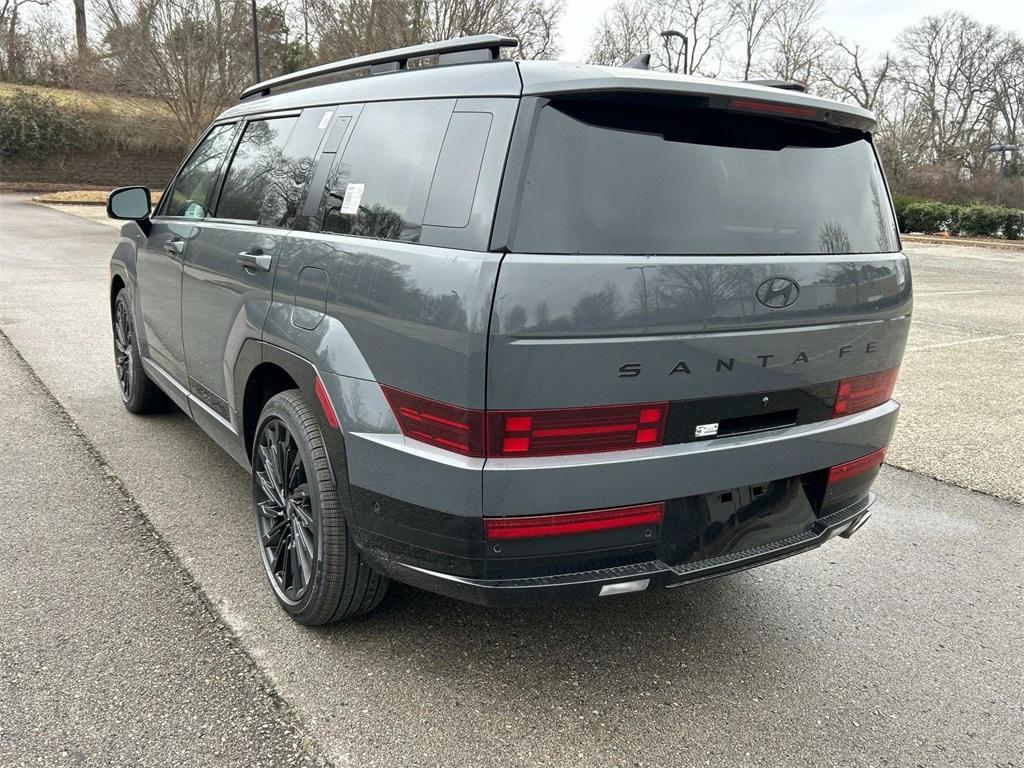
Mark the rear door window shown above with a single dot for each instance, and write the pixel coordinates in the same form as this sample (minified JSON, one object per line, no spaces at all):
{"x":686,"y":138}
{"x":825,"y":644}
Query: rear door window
{"x":258,"y":174}
{"x":380,"y":186}
{"x":661,"y":178}
{"x":192,"y":188}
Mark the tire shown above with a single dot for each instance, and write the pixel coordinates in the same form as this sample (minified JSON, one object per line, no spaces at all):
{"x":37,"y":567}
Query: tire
{"x":315,"y":571}
{"x":138,"y":392}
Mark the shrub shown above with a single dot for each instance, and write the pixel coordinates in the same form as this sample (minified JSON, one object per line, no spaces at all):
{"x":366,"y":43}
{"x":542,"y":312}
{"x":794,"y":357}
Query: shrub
{"x":927,"y":216}
{"x":974,"y":220}
{"x":979,"y":220}
{"x":1011,"y":223}
{"x":36,"y":127}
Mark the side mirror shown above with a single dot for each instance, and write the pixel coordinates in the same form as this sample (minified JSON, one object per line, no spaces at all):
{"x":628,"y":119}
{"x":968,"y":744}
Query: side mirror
{"x":129,"y":204}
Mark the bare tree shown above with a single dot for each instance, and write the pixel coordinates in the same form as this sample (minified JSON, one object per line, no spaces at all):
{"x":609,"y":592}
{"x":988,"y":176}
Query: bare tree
{"x":632,"y":27}
{"x":851,"y":76}
{"x":707,"y":25}
{"x":81,"y":28}
{"x":12,"y":41}
{"x":948,"y":63}
{"x":629,"y":28}
{"x":355,"y":27}
{"x":753,"y":17}
{"x":798,"y":40}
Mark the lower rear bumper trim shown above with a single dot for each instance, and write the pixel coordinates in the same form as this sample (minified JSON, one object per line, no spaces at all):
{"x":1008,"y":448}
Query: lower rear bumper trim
{"x":588,"y":584}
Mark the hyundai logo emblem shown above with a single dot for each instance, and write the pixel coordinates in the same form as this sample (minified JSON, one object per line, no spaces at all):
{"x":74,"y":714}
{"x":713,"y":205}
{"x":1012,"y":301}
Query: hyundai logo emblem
{"x":778,"y":292}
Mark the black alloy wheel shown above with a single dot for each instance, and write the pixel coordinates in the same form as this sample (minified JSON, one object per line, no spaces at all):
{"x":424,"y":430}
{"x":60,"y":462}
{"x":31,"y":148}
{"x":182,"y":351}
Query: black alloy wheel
{"x":123,"y":350}
{"x":138,"y":392}
{"x":287,"y":523}
{"x":316,"y":571}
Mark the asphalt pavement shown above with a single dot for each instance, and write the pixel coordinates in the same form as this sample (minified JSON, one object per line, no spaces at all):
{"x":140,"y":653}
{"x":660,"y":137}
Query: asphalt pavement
{"x":109,"y":656}
{"x":901,"y":646}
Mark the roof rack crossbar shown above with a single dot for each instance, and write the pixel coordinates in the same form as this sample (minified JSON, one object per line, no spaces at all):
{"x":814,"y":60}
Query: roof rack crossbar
{"x":399,"y":57}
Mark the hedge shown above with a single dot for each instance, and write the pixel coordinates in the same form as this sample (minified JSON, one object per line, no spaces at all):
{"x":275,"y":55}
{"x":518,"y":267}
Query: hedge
{"x":973,"y":220}
{"x":38,"y":123}
{"x":35,"y":127}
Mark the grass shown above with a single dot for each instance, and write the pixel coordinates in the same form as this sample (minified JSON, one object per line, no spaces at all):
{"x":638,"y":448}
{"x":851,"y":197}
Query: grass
{"x":130,"y":122}
{"x":101,"y":103}
{"x":85,"y":197}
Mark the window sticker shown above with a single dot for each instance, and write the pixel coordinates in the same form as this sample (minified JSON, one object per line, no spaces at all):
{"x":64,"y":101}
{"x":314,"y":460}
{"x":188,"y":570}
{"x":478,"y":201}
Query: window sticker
{"x":353,"y":194}
{"x":193,"y":211}
{"x":325,"y":119}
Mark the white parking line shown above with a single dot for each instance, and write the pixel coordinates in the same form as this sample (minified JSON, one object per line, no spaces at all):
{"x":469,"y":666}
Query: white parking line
{"x":963,"y":341}
{"x":950,"y":293}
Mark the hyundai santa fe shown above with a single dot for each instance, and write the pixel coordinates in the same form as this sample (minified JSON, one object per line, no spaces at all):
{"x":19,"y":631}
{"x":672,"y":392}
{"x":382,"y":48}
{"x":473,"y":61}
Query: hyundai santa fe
{"x":513,"y":330}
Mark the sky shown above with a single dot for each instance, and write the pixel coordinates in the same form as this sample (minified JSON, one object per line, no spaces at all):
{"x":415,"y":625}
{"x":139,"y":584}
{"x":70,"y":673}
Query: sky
{"x":873,"y":23}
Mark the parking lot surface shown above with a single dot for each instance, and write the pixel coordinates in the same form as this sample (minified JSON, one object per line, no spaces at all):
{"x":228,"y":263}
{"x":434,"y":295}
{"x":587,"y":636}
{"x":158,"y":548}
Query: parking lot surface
{"x":901,"y":646}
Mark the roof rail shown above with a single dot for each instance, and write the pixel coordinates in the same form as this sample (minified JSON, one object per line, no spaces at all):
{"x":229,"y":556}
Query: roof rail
{"x":391,"y":61}
{"x":785,"y":85}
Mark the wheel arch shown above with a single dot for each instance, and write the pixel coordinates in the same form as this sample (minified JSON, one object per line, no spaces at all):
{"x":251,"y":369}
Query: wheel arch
{"x":263,"y":382}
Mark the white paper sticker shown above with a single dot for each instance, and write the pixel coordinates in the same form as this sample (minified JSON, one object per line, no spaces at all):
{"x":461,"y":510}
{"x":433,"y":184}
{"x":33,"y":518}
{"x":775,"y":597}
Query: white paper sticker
{"x":353,"y":194}
{"x":325,"y":119}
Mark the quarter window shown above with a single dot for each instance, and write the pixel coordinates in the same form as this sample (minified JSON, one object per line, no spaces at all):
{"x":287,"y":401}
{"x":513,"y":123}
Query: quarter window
{"x":258,"y":178}
{"x":191,"y":191}
{"x":381,"y":185}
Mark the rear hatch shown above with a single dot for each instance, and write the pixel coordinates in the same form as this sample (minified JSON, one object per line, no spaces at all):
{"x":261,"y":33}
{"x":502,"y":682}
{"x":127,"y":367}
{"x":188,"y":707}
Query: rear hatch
{"x":733,"y":255}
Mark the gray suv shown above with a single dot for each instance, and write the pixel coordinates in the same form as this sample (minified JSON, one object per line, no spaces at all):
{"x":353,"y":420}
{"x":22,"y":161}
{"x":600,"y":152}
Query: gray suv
{"x":517,"y":330}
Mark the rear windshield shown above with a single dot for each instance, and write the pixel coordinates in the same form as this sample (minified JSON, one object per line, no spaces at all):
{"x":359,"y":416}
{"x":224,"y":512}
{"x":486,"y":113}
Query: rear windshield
{"x":650,"y":178}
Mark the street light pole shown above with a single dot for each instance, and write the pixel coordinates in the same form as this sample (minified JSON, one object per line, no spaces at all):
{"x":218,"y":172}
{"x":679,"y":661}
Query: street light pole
{"x":684,"y":53}
{"x":1002,"y":149}
{"x":256,"y":40}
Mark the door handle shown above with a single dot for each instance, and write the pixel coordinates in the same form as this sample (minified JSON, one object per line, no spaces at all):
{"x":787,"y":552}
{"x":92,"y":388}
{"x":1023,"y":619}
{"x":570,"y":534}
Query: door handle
{"x":174,"y":247}
{"x":255,"y":260}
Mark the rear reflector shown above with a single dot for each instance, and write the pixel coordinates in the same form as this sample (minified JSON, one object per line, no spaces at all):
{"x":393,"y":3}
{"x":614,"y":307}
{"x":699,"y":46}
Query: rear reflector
{"x":773,"y":108}
{"x":446,"y":426}
{"x":326,"y":404}
{"x":863,"y":392}
{"x":575,"y":430}
{"x":852,"y":469}
{"x":536,"y":526}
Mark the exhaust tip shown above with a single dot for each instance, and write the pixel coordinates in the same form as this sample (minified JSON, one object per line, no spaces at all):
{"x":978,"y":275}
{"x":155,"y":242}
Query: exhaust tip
{"x":856,"y":525}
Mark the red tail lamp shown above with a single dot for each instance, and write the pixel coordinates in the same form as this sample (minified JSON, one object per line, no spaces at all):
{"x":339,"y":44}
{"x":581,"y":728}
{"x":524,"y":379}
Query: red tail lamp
{"x":537,"y":526}
{"x":863,"y":392}
{"x":852,"y":469}
{"x":436,"y":423}
{"x":773,"y":108}
{"x":575,"y":430}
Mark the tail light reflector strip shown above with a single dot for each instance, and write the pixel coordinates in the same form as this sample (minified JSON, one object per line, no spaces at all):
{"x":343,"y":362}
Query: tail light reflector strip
{"x":537,"y":526}
{"x":852,"y":469}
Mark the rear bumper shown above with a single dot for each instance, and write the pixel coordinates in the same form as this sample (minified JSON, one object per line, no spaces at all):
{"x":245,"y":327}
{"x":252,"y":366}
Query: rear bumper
{"x":637,"y":577}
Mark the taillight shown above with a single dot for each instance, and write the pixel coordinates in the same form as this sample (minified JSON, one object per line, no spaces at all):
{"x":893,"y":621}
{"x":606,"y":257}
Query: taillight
{"x":446,"y":426}
{"x":863,"y":392}
{"x":536,"y":526}
{"x":773,"y":108}
{"x":852,"y":469}
{"x":575,"y":430}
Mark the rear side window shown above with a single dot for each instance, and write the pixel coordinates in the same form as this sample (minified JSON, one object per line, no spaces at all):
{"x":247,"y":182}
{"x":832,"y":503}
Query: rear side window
{"x":658,"y":178}
{"x":258,"y":172}
{"x":381,"y":185}
{"x":192,"y":188}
